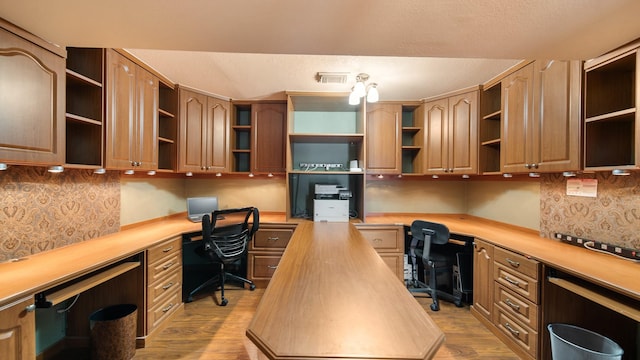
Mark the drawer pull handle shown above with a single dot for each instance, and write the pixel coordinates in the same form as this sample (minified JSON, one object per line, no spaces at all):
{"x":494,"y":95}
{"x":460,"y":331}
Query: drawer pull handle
{"x":167,"y":286}
{"x":272,"y":266}
{"x":166,"y":250}
{"x":511,"y":281}
{"x":513,"y":263}
{"x":273,"y":238}
{"x":167,"y":308}
{"x":167,"y":266}
{"x":513,"y":306}
{"x":377,"y":240}
{"x":512,"y":330}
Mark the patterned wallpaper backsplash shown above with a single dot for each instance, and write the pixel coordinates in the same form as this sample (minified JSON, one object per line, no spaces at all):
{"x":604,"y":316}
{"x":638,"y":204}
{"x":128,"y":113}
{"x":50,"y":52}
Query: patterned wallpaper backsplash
{"x":40,"y":211}
{"x":612,"y":217}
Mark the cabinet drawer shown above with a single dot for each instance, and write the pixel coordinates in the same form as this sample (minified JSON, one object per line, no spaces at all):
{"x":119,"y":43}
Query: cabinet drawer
{"x":520,"y":334}
{"x":516,"y":306}
{"x":162,"y":268}
{"x":516,"y":282}
{"x":263,"y":266}
{"x":165,"y":249}
{"x":158,"y":290}
{"x":395,"y":262}
{"x":159,"y":313}
{"x":384,"y":239}
{"x":272,"y":239}
{"x":517,"y":262}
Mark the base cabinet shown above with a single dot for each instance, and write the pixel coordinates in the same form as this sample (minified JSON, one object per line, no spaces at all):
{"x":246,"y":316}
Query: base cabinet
{"x":506,"y":297}
{"x":388,"y":240}
{"x":266,"y":249}
{"x":18,"y":330}
{"x":164,"y":282}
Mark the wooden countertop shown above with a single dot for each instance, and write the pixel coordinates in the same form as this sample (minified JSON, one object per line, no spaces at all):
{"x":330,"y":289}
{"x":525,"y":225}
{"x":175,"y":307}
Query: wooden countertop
{"x":605,"y":270}
{"x":42,"y":271}
{"x":332,"y":297}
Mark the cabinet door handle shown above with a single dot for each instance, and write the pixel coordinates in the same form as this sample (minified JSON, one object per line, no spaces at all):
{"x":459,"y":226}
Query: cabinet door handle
{"x":274,"y":238}
{"x":513,"y":263}
{"x":166,"y":250}
{"x":167,"y":308}
{"x":167,"y":286}
{"x":512,"y":330}
{"x":511,"y":281}
{"x":513,"y":306}
{"x":30,"y":308}
{"x":272,"y":266}
{"x":168,"y":266}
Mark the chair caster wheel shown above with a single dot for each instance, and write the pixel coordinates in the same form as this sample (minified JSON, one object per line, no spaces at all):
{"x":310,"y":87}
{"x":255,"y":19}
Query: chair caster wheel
{"x":189,"y":299}
{"x":224,"y":302}
{"x":458,"y":303}
{"x":252,"y":287}
{"x":434,"y":307}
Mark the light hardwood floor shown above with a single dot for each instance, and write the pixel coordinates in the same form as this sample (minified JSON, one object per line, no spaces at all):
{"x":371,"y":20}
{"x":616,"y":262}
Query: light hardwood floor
{"x":207,"y":331}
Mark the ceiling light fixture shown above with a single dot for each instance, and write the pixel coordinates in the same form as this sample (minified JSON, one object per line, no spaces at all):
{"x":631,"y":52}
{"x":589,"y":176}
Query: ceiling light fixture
{"x":361,"y":90}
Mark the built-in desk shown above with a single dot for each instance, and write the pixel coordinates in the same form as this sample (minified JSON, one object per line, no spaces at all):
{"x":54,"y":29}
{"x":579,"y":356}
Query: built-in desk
{"x":333,"y":297}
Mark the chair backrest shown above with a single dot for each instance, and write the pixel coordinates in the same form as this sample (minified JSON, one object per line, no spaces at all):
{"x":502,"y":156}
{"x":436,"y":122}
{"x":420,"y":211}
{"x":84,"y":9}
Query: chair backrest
{"x":229,"y":240}
{"x":429,"y":233}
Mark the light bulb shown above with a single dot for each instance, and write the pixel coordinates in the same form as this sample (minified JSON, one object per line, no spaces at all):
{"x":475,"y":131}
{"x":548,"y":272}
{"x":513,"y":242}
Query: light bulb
{"x":354,"y":99}
{"x":372,"y":94}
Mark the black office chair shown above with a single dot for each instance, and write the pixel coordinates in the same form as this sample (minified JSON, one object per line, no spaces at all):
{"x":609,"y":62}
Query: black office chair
{"x":436,"y":258}
{"x":226,"y":245}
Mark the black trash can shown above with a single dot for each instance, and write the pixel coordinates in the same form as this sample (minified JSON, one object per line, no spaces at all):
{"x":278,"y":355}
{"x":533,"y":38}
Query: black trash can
{"x":113,"y":332}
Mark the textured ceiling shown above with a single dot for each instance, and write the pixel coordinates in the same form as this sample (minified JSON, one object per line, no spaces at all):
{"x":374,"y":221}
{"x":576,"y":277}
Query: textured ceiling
{"x":256,"y":49}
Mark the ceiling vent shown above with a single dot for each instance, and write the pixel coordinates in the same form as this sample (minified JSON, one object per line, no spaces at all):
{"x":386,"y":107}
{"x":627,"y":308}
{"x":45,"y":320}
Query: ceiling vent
{"x":332,"y":77}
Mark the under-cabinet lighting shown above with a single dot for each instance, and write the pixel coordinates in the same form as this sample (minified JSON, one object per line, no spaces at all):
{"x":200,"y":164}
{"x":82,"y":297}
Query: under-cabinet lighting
{"x":507,"y":175}
{"x":435,"y":176}
{"x":129,"y":172}
{"x":100,"y":171}
{"x":151,"y":172}
{"x":56,"y":169}
{"x":251,"y":174}
{"x":3,"y":166}
{"x":569,"y":174}
{"x":399,"y":176}
{"x":218,"y":174}
{"x":619,"y":172}
{"x":534,"y":174}
{"x":270,"y":175}
{"x":189,"y":173}
{"x":380,"y":176}
{"x":465,"y":176}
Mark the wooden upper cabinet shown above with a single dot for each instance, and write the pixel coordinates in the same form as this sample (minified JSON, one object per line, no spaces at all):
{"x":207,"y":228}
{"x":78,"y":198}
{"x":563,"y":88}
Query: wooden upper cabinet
{"x":203,"y":139}
{"x":541,"y":117}
{"x":556,"y":131}
{"x":517,"y":108}
{"x":32,"y":99}
{"x":131,"y":115}
{"x":384,"y":138}
{"x":451,"y":134}
{"x":269,"y":122}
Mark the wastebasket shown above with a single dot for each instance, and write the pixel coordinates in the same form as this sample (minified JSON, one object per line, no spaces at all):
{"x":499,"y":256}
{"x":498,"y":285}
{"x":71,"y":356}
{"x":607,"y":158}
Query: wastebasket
{"x":569,"y":342}
{"x":113,"y":332}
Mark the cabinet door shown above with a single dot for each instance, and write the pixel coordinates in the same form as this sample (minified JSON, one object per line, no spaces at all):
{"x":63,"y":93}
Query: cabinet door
{"x":146,"y":135}
{"x":192,"y":133}
{"x":517,"y":105}
{"x":217,"y":130}
{"x":269,"y":124}
{"x":462,"y":139}
{"x":436,"y":126}
{"x":483,"y":278}
{"x":120,"y":115}
{"x":556,"y":127}
{"x":18,"y":331}
{"x":32,"y":103}
{"x":384,"y":142}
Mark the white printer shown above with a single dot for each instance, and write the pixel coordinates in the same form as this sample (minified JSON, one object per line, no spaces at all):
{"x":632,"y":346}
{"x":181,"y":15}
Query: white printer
{"x":331,"y":203}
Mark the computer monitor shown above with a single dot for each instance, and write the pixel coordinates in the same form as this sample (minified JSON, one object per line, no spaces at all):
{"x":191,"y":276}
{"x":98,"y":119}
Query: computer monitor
{"x":197,"y":207}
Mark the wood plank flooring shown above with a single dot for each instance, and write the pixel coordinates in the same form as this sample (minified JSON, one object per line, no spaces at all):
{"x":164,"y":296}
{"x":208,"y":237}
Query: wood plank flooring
{"x":205,"y":330}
